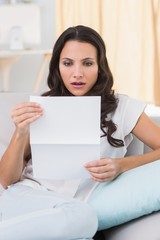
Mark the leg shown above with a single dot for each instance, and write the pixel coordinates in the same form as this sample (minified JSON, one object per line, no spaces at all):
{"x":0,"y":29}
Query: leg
{"x":57,"y":218}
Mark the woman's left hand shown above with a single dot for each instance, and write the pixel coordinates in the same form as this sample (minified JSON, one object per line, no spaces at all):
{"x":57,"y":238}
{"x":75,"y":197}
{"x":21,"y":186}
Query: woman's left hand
{"x":103,"y":170}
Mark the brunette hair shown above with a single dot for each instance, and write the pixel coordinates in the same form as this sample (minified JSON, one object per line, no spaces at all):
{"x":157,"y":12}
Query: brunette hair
{"x":103,"y":85}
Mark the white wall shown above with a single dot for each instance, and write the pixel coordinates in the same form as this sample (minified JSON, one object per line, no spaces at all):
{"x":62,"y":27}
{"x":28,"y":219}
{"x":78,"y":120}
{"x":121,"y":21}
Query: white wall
{"x":24,"y":72}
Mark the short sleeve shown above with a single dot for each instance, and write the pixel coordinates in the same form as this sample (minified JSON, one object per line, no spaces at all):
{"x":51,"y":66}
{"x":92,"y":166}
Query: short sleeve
{"x":128,"y":113}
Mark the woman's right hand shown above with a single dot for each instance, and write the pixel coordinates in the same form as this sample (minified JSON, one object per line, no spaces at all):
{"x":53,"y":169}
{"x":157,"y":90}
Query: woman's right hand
{"x":24,"y":114}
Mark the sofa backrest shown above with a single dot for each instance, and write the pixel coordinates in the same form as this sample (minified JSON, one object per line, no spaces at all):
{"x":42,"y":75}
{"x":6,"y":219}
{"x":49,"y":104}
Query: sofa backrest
{"x":7,"y":102}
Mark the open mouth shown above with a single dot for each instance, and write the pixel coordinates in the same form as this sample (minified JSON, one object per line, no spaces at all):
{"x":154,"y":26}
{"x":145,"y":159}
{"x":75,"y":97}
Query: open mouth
{"x":78,"y":84}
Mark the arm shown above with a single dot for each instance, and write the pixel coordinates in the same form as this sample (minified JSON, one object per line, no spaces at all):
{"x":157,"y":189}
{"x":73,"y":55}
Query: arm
{"x":107,"y":169}
{"x":149,"y":133}
{"x":13,"y":160}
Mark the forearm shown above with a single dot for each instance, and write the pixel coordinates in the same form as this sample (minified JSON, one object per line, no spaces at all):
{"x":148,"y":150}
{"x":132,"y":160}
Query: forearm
{"x":12,"y":162}
{"x":107,"y":169}
{"x":131,"y":162}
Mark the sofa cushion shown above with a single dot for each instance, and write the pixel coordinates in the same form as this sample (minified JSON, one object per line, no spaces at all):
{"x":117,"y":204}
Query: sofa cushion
{"x":7,"y":102}
{"x":133,"y":194}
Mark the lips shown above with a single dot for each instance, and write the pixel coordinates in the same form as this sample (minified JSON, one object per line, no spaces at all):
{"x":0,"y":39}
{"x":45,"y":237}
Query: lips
{"x":78,"y":84}
{"x":78,"y":88}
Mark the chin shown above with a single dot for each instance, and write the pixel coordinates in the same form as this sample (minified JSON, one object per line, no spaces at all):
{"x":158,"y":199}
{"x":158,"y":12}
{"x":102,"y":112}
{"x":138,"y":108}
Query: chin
{"x":78,"y":93}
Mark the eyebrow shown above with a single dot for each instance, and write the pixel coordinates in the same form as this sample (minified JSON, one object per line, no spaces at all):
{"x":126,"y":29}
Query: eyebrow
{"x":88,"y":58}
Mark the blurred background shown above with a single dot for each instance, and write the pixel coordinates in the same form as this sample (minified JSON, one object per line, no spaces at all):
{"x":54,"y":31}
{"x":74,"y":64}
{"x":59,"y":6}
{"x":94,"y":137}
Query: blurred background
{"x":130,"y":29}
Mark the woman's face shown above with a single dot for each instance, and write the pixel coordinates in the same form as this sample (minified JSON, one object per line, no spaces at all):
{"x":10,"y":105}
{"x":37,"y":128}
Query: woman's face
{"x":78,"y":67}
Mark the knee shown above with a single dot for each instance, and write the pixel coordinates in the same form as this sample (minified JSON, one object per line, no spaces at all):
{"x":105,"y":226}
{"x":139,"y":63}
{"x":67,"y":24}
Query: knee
{"x":83,"y":219}
{"x":88,"y":219}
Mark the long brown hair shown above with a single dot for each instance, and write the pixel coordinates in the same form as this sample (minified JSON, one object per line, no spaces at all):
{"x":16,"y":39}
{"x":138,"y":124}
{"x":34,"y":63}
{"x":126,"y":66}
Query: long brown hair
{"x":103,"y":85}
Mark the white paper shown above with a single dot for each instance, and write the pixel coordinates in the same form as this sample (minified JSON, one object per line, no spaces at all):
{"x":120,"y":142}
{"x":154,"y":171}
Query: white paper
{"x":65,"y":137}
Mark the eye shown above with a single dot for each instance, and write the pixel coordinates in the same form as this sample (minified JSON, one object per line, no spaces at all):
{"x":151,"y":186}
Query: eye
{"x":67,"y":63}
{"x":88,"y":63}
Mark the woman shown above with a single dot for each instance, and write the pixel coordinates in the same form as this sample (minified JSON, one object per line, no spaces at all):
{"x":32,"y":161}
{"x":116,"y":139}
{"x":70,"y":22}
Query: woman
{"x":78,"y":67}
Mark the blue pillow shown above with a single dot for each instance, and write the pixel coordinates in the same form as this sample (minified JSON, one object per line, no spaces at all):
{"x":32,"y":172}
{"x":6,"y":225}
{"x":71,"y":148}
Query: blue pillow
{"x":133,"y":194}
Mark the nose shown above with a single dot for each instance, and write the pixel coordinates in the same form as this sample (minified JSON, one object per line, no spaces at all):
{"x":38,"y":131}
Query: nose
{"x":78,"y":72}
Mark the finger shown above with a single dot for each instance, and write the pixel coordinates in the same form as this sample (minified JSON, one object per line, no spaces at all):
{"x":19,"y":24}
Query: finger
{"x":26,"y":104}
{"x":102,"y":175}
{"x":26,"y":118}
{"x":99,"y":170}
{"x":106,"y":166}
{"x":100,"y":178}
{"x":25,"y":113}
{"x":95,"y":163}
{"x":25,"y":108}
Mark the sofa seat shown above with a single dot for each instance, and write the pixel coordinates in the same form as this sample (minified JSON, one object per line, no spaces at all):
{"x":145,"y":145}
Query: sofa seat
{"x":144,"y":228}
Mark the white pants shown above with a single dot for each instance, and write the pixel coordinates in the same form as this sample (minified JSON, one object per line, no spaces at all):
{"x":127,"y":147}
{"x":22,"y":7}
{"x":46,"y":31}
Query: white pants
{"x":29,"y":214}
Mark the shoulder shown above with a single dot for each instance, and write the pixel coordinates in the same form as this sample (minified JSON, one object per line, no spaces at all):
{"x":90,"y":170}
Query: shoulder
{"x":127,"y":112}
{"x":126,"y":103}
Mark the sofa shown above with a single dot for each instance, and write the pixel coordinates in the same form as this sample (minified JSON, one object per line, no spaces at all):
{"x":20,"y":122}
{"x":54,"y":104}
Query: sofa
{"x":141,"y":226}
{"x":146,"y":226}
